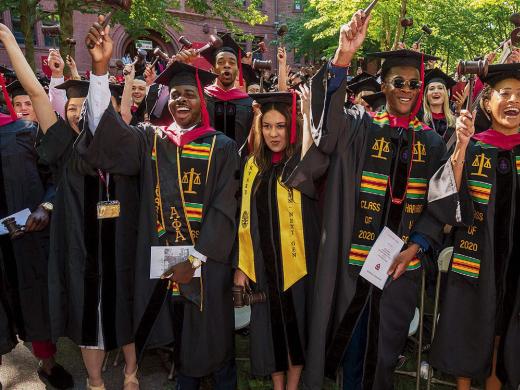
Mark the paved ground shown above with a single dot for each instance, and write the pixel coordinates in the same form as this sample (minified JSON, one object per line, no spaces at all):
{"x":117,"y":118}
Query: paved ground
{"x":18,"y":370}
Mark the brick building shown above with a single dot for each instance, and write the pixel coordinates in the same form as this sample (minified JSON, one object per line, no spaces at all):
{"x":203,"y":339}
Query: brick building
{"x":196,"y":27}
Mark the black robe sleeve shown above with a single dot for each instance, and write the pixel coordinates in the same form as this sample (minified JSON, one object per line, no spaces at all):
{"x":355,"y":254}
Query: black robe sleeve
{"x":54,"y":145}
{"x":308,"y":172}
{"x":116,"y":147}
{"x":220,"y":216}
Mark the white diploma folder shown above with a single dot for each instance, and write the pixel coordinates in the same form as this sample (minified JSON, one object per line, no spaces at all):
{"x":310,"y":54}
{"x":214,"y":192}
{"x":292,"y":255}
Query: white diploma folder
{"x":386,"y":248}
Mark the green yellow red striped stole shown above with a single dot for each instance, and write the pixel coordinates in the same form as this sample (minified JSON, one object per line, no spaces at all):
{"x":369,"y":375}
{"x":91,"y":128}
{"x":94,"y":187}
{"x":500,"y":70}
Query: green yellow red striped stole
{"x":465,"y":265}
{"x":517,"y":164}
{"x":194,"y":150}
{"x":374,"y":183}
{"x":480,"y":191}
{"x":358,"y":254}
{"x":290,"y":217}
{"x":193,"y":211}
{"x":416,"y":188}
{"x":382,"y":118}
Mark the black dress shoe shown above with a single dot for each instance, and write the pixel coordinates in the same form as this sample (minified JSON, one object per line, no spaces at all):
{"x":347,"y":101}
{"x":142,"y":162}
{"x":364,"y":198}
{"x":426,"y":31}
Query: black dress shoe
{"x":58,"y":378}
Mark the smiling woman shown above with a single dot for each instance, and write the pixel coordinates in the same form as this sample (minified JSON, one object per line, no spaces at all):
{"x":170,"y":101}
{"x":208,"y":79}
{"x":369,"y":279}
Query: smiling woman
{"x":482,"y":298}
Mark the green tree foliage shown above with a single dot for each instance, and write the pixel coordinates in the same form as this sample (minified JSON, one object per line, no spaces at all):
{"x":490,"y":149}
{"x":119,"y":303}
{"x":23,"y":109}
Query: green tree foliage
{"x":143,"y":15}
{"x":461,"y":29}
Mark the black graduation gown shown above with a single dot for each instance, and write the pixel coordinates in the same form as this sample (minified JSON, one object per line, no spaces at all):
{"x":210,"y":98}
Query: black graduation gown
{"x":482,"y":294}
{"x":25,"y":184}
{"x":233,"y":118}
{"x":207,"y":340}
{"x":279,"y":326}
{"x":339,"y":295}
{"x":90,"y":259}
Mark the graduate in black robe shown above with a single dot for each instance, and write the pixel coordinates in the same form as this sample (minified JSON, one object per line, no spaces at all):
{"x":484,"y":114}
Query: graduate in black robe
{"x":229,"y":107}
{"x":91,"y":263}
{"x":479,"y":327}
{"x":273,"y":257}
{"x":436,"y":111}
{"x":27,"y":184}
{"x":188,"y":186}
{"x":379,"y":168}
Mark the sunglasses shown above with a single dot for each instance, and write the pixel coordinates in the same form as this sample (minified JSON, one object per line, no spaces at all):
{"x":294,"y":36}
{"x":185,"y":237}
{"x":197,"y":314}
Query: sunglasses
{"x":399,"y":83}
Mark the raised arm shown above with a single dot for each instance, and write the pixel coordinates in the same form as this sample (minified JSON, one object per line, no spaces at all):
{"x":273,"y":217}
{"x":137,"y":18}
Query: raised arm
{"x":40,"y":101}
{"x":57,"y":97}
{"x":126,"y":99}
{"x":282,"y":70}
{"x":111,"y":144}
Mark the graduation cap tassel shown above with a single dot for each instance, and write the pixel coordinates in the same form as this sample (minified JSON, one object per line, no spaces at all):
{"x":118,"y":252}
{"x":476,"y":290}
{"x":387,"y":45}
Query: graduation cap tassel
{"x":293,"y":118}
{"x":240,"y":73}
{"x":203,"y":108}
{"x":14,"y":117}
{"x":418,"y":103}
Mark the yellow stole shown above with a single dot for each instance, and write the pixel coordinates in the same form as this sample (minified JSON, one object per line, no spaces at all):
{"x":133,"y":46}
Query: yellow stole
{"x":291,"y":230}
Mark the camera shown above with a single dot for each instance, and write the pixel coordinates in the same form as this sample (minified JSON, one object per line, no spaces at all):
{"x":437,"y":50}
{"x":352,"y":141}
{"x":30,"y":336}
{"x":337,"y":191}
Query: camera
{"x":243,"y":297}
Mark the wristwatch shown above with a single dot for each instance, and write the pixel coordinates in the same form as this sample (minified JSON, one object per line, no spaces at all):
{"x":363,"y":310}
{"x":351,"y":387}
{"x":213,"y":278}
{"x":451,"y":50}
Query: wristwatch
{"x":47,"y":206}
{"x":195,"y":261}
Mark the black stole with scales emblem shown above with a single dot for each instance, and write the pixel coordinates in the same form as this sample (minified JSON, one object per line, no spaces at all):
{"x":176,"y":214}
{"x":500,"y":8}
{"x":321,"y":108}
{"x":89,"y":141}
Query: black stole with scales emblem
{"x":375,"y":208}
{"x":481,"y":166}
{"x":180,"y":181}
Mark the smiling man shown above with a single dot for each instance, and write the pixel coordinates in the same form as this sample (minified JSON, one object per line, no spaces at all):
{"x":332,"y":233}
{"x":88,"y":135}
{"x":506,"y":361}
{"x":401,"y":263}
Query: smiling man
{"x":188,"y":183}
{"x":230,"y":108}
{"x":21,"y":102}
{"x":380,"y":165}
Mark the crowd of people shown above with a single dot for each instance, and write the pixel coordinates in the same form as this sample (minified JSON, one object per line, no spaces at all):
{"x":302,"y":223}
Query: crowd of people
{"x":162,"y":198}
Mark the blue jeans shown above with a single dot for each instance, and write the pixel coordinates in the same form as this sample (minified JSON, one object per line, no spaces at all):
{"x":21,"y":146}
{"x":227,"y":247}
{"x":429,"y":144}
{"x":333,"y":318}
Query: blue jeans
{"x":355,"y":354}
{"x":225,"y":379}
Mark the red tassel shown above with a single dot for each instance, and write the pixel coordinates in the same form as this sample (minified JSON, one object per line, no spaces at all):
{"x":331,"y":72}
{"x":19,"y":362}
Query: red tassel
{"x":293,"y":118}
{"x":6,"y":98}
{"x":203,"y":108}
{"x":240,"y":74}
{"x":418,"y":104}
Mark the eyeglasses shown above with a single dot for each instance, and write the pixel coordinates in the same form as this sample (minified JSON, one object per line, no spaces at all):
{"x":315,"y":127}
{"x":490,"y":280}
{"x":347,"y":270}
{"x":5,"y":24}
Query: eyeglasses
{"x":399,"y":83}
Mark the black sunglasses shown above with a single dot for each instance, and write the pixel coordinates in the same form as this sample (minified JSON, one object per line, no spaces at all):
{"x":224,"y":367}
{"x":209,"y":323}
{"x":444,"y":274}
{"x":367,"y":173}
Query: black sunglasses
{"x":399,"y":83}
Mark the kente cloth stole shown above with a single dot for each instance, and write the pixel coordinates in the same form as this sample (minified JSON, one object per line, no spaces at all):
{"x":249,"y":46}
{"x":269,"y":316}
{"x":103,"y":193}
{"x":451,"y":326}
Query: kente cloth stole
{"x":180,"y":179}
{"x":482,"y":164}
{"x":290,"y":216}
{"x":374,"y":186}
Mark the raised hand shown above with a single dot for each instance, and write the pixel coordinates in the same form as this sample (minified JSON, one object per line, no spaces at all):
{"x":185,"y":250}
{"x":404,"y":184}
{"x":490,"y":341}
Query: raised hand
{"x":73,"y":68}
{"x":351,"y":37}
{"x":186,"y":56}
{"x":150,"y":75}
{"x":465,"y":128}
{"x":56,"y":63}
{"x":129,"y":72}
{"x":100,"y":46}
{"x":6,"y":35}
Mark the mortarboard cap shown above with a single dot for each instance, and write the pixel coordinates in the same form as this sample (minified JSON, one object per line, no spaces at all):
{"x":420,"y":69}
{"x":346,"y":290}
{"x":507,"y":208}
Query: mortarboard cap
{"x":15,"y":89}
{"x":360,"y":77}
{"x":180,"y":73}
{"x":376,"y":100}
{"x":438,"y":76}
{"x":367,"y":84}
{"x":402,"y":57}
{"x":75,"y":88}
{"x":500,"y":72}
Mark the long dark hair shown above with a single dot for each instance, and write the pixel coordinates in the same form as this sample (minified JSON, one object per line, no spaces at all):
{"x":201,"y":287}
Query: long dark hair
{"x":261,"y":153}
